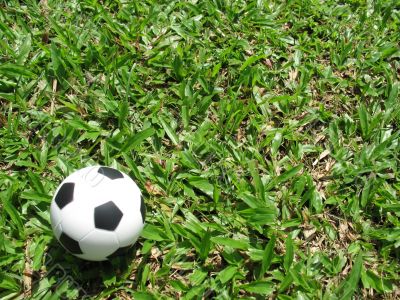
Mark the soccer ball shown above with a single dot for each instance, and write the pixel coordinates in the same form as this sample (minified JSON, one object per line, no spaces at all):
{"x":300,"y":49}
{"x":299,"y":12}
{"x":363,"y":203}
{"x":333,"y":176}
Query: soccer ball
{"x":97,"y":212}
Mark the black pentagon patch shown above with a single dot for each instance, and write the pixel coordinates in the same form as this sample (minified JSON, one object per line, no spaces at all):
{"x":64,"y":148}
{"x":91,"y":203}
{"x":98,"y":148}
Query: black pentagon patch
{"x":107,"y":216}
{"x":142,"y":208}
{"x":110,"y":173}
{"x":120,"y":251}
{"x":65,"y":194}
{"x":70,"y":244}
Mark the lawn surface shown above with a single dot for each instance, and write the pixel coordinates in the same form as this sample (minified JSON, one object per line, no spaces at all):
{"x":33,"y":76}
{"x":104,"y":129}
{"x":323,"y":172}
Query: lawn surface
{"x":264,"y":135}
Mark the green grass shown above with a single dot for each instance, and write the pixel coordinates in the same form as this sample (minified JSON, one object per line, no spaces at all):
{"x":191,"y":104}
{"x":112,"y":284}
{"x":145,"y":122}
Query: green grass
{"x":264,"y":134}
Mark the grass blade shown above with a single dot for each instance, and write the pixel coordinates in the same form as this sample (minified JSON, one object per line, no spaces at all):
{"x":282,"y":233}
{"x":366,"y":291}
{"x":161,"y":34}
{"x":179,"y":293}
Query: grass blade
{"x":363,"y":114}
{"x":350,"y":285}
{"x":285,"y":176}
{"x":170,"y":132}
{"x":267,"y":256}
{"x":134,"y":141}
{"x":289,"y":255}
